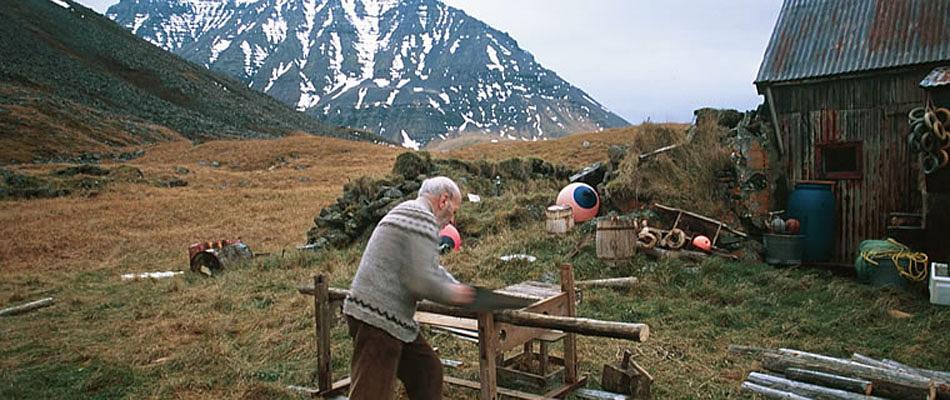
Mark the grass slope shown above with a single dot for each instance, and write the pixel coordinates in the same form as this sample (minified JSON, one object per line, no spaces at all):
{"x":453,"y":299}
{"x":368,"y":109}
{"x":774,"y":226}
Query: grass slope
{"x":248,"y":334}
{"x":72,"y":81}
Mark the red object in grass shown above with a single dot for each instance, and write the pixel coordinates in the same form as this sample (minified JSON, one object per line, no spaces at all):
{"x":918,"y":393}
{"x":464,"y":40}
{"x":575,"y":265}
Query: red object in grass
{"x":703,"y":243}
{"x":450,"y":235}
{"x":792,"y":226}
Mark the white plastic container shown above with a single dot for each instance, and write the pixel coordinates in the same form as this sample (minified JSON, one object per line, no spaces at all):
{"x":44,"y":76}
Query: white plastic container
{"x":940,"y":284}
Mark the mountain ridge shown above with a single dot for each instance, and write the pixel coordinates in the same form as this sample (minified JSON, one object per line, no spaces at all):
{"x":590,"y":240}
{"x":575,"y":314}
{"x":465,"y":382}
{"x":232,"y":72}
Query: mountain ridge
{"x":409,"y":70}
{"x":73,"y":81}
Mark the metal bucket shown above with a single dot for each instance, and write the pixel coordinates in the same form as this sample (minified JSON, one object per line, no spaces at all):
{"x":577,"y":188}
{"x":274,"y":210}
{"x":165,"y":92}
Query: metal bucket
{"x":783,"y":249}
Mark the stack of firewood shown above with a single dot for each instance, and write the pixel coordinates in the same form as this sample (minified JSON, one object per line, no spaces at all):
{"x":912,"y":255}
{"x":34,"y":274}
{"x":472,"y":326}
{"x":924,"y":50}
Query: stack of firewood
{"x":795,"y":374}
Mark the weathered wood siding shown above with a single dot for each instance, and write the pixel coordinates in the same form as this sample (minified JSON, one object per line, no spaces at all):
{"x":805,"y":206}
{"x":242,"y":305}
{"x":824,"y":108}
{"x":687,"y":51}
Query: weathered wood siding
{"x":872,"y":110}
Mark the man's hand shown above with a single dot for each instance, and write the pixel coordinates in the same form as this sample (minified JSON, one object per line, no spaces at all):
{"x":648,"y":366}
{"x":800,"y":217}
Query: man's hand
{"x":462,"y":294}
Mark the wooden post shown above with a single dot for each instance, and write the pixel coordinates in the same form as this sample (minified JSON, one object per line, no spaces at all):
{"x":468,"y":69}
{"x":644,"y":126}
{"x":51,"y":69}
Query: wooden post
{"x":570,"y":344}
{"x":487,"y":351}
{"x":322,"y":317}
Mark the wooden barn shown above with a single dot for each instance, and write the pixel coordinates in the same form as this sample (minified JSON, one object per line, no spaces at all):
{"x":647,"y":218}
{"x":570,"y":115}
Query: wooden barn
{"x":840,"y":77}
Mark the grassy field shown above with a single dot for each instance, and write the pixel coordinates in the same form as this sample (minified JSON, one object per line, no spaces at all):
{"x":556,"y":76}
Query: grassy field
{"x":248,"y":334}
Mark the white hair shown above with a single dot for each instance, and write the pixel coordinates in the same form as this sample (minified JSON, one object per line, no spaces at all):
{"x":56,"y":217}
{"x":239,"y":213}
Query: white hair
{"x":438,"y":185}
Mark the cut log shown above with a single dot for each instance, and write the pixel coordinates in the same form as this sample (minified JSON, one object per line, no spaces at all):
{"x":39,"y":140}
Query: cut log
{"x":25,"y":308}
{"x":928,"y":373}
{"x":830,"y":380}
{"x":805,"y":389}
{"x":771,"y":393}
{"x":886,"y":382}
{"x":617,"y":283}
{"x":863,"y":359}
{"x":581,"y":326}
{"x":684,"y":254}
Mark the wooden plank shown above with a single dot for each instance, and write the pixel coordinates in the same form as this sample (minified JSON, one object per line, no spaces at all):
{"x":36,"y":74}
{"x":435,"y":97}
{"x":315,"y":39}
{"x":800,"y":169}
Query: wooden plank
{"x":570,"y":341}
{"x":322,"y":321}
{"x":531,"y":290}
{"x":428,"y":318}
{"x":566,"y":389}
{"x":513,"y":336}
{"x":487,"y":352}
{"x":337,"y":387}
{"x":501,"y":390}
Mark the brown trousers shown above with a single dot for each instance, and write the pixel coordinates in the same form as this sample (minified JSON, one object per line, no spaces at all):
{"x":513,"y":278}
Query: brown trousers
{"x":379,"y":358}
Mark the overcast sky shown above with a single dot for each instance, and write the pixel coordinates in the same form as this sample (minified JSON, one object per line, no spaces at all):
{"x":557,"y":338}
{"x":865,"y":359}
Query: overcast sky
{"x":642,"y":59}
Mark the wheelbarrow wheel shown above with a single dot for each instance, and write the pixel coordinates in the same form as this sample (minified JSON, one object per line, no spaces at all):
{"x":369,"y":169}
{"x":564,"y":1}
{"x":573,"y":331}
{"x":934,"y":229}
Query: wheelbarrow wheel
{"x":205,"y":263}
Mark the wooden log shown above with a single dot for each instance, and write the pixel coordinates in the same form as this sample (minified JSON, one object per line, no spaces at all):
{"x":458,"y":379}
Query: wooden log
{"x":771,"y":393}
{"x":684,"y":254}
{"x":616,"y":283}
{"x":25,"y":308}
{"x":830,"y":380}
{"x":928,"y":373}
{"x":593,"y":394}
{"x":857,"y":357}
{"x":322,"y":320}
{"x":805,"y":389}
{"x":886,"y":382}
{"x":570,"y":341}
{"x":582,"y":326}
{"x":487,"y":351}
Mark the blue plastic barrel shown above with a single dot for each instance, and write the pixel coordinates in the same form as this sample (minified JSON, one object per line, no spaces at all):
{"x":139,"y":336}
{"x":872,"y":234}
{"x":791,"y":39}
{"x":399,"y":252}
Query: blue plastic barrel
{"x":813,"y":205}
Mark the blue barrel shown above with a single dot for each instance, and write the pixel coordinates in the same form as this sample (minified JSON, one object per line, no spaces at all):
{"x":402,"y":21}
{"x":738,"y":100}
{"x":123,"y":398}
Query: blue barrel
{"x":813,"y":205}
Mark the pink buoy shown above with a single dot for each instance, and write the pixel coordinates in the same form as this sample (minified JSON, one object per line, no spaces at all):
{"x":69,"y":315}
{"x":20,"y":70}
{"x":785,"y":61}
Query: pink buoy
{"x":583,"y":200}
{"x":701,"y":242}
{"x":450,"y":237}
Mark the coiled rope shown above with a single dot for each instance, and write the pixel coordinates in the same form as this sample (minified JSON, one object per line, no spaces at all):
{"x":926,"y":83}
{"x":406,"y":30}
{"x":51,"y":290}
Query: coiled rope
{"x":910,"y":264}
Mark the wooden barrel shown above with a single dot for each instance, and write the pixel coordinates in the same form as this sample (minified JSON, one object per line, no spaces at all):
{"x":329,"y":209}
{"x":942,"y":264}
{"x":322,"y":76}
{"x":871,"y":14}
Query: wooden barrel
{"x":560,"y":219}
{"x":616,"y":238}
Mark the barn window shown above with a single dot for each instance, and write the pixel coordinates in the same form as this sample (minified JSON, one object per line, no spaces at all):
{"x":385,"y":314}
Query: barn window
{"x":840,"y":160}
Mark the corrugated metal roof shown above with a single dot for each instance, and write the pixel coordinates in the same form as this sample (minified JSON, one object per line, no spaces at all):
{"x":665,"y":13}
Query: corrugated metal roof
{"x":940,"y":76}
{"x":815,"y":38}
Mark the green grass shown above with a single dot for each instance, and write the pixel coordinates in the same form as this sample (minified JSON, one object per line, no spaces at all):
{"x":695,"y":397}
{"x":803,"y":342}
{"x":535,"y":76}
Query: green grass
{"x":248,"y":334}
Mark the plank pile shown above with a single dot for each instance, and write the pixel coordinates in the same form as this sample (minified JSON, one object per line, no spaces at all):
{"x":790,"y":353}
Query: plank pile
{"x":795,"y":374}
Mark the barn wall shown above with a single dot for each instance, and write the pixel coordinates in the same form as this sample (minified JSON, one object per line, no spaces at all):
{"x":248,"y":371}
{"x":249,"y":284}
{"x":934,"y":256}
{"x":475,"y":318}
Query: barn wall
{"x":872,"y":110}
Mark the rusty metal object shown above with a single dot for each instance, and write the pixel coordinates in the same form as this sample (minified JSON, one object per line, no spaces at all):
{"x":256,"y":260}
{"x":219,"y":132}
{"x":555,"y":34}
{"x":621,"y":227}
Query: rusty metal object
{"x":210,"y":258}
{"x":808,"y":41}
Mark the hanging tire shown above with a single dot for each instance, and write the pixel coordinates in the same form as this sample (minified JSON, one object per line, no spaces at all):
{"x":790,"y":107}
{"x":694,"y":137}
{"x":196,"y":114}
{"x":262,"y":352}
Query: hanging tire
{"x":943,"y":158}
{"x":929,"y":142}
{"x":931,"y":163}
{"x":913,"y":143}
{"x":916,"y":114}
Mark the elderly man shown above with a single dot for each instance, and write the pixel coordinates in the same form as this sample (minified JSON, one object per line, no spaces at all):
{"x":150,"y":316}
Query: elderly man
{"x":400,"y":267}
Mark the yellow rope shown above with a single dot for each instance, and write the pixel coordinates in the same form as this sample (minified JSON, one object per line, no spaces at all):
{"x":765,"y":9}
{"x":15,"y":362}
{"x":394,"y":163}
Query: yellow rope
{"x":915,"y":263}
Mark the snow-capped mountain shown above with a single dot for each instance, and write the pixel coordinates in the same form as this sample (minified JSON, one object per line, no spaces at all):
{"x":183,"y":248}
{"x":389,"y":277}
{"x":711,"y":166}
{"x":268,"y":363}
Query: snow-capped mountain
{"x":409,"y":70}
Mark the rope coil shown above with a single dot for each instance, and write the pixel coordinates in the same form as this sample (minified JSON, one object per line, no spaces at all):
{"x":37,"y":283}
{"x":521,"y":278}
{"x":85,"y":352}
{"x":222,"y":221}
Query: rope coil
{"x":909,"y":264}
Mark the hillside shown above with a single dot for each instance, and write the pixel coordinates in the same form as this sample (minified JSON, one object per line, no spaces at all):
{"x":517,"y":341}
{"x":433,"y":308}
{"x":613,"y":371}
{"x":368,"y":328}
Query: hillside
{"x":248,"y":334}
{"x":72,"y":81}
{"x":411,"y":71}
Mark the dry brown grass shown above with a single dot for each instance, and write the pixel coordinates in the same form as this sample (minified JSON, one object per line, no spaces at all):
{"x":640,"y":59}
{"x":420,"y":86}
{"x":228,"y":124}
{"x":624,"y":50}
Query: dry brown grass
{"x":253,"y":195}
{"x":247,"y":333}
{"x":569,"y":150}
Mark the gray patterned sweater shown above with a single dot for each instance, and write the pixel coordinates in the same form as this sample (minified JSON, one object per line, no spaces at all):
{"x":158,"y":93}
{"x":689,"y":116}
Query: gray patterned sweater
{"x":400,"y":266}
